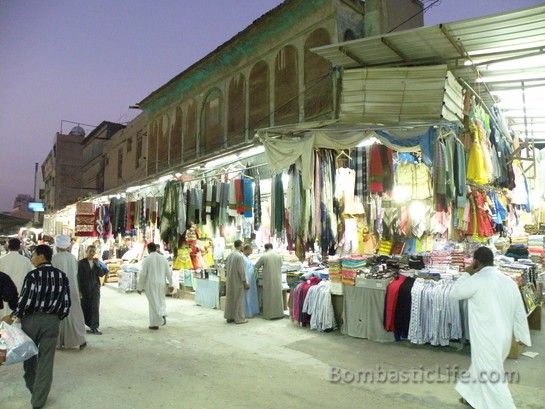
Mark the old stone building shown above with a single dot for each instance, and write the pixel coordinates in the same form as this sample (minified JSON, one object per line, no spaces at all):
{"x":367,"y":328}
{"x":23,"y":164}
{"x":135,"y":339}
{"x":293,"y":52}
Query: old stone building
{"x":61,"y":170}
{"x":265,"y":76}
{"x":93,"y":161}
{"x":125,"y":155}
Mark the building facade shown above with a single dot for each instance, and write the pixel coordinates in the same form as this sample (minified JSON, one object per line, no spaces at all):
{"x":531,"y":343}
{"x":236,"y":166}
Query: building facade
{"x":61,"y":170}
{"x":125,"y":155}
{"x":93,"y":160}
{"x":265,"y":76}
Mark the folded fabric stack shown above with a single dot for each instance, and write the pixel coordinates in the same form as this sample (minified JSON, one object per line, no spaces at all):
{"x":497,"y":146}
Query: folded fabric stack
{"x":458,"y":259}
{"x":536,"y":248}
{"x":335,"y":277}
{"x":519,"y":239}
{"x":440,"y":258}
{"x":349,"y":269}
{"x":517,"y":251}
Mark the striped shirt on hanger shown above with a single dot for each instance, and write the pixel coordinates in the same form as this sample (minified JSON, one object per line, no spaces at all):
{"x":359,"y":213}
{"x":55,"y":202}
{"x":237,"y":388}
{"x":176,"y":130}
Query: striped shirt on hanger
{"x":45,"y":290}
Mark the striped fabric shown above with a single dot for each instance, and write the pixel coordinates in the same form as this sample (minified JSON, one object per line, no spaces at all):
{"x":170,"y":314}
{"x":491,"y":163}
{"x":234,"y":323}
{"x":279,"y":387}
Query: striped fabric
{"x":45,"y":290}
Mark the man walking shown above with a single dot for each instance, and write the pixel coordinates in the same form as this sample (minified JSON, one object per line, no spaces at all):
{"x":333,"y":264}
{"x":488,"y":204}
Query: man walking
{"x":44,"y":302}
{"x":252,"y":302}
{"x":89,"y":272}
{"x":72,"y":329}
{"x":153,"y":276}
{"x":235,"y":285}
{"x":496,"y":315}
{"x":8,"y":294}
{"x":14,"y":264}
{"x":273,"y":303}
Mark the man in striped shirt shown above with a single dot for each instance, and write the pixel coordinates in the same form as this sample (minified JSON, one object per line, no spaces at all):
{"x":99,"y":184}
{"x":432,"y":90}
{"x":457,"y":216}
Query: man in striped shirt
{"x":44,"y":301}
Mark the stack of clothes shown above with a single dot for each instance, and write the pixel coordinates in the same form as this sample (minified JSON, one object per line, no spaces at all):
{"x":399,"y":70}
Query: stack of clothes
{"x":536,"y":248}
{"x":335,"y":277}
{"x":349,"y":269}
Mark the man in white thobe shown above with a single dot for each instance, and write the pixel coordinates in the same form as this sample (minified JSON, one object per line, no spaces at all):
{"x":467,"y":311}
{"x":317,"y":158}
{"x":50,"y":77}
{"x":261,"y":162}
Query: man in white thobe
{"x":152,"y":278}
{"x":496,"y":316}
{"x":273,"y":303}
{"x":235,"y":286}
{"x":15,"y":265}
{"x":72,"y":328}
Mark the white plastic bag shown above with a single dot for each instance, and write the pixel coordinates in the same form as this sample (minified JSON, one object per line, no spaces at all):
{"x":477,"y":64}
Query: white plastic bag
{"x":20,"y":346}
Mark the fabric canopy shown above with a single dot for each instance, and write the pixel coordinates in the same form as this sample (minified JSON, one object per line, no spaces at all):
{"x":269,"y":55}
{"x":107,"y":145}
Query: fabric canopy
{"x":283,"y":152}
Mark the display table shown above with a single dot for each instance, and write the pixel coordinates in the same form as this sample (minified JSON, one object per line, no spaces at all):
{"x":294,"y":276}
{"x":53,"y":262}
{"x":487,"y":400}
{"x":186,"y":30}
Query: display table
{"x":364,"y":311}
{"x":207,"y":293}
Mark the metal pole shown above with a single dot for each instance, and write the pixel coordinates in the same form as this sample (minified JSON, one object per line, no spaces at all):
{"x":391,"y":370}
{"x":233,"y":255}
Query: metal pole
{"x":35,"y":179}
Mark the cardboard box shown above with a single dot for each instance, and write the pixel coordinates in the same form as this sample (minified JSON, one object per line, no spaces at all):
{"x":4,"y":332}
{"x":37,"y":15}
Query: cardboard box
{"x":516,"y":350}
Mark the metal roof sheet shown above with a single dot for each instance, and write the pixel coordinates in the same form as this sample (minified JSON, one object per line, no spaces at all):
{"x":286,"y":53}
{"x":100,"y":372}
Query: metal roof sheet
{"x":468,"y":48}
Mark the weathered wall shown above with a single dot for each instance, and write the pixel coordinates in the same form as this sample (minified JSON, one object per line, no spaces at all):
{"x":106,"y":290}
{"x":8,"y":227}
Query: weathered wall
{"x":266,"y":76}
{"x":131,"y":141}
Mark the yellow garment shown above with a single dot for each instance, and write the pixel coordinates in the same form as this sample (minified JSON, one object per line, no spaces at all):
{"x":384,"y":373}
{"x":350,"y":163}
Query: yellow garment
{"x":183,"y":259}
{"x":476,"y":168}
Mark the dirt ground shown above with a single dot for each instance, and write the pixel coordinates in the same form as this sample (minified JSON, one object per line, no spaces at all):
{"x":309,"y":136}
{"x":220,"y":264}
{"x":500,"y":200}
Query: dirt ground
{"x":199,"y":361}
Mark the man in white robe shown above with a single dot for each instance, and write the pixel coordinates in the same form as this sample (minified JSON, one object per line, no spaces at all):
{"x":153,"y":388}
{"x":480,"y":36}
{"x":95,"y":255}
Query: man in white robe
{"x":235,"y":286}
{"x":15,"y":265}
{"x":252,"y":301}
{"x":152,"y":278}
{"x":72,"y":328}
{"x":496,"y":316}
{"x":273,"y":303}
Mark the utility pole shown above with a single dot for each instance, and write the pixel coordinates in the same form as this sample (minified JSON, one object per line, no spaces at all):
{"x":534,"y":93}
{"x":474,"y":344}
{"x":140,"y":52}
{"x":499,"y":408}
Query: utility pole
{"x":35,"y":180}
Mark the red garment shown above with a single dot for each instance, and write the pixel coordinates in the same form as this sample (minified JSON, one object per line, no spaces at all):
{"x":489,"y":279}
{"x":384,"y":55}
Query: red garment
{"x":480,"y":222}
{"x":238,"y":196}
{"x":390,"y":302}
{"x":304,"y":318}
{"x":380,"y":169}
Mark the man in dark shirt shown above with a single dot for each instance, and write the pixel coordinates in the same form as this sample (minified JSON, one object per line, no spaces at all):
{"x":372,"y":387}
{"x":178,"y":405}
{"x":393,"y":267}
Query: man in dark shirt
{"x":44,"y":302}
{"x":89,"y":272}
{"x":8,"y":292}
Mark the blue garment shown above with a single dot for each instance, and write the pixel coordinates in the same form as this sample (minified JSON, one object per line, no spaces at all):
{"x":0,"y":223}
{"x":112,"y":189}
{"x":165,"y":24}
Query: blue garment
{"x":252,"y":304}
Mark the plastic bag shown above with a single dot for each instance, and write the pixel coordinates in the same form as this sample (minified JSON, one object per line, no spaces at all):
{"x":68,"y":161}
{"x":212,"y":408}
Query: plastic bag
{"x":19,"y":346}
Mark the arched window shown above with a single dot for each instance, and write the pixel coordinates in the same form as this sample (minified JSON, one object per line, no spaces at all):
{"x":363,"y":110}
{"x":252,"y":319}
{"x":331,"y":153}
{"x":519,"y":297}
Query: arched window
{"x":286,"y":87}
{"x":259,"y":97}
{"x":152,"y":149}
{"x":318,"y":80}
{"x":236,"y":118}
{"x":189,"y":136}
{"x":162,"y":143}
{"x":349,"y":35}
{"x":176,"y":138}
{"x":212,"y":125}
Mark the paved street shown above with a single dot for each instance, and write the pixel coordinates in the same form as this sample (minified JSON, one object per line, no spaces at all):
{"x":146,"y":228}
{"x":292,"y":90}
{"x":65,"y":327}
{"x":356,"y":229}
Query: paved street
{"x":198,"y":361}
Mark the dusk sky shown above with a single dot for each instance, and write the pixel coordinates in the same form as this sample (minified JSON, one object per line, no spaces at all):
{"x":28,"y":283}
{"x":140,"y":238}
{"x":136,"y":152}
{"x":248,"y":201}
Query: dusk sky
{"x":88,"y":60}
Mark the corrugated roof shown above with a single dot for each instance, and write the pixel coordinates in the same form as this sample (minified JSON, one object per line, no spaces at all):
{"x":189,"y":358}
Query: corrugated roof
{"x":471,"y":49}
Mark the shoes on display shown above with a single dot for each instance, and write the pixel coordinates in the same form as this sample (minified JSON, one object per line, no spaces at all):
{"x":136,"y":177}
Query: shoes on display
{"x":153,"y":327}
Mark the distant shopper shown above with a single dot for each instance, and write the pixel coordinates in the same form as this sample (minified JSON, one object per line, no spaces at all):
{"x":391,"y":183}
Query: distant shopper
{"x":235,"y":285}
{"x":72,"y":328}
{"x":89,"y":272}
{"x":8,"y":295}
{"x":44,"y":302}
{"x":252,"y":302}
{"x":14,"y":264}
{"x":496,"y":315}
{"x":152,"y":278}
{"x":273,"y":303}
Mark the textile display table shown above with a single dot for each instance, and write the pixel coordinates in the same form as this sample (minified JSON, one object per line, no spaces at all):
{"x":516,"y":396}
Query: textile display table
{"x":364,"y":311}
{"x":207,"y":293}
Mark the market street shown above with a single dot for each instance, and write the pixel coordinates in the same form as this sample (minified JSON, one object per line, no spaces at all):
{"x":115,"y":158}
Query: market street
{"x":198,"y":361}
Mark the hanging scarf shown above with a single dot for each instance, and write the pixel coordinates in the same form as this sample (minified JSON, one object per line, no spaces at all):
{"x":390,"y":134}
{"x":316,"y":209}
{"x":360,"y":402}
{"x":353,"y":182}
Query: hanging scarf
{"x":247,"y":196}
{"x":257,"y":204}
